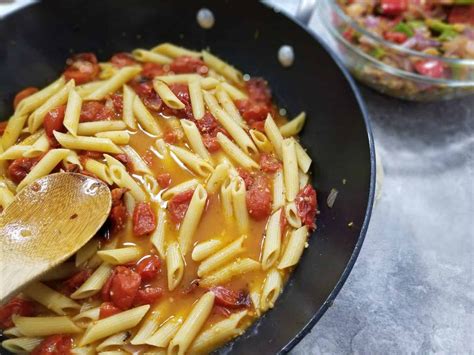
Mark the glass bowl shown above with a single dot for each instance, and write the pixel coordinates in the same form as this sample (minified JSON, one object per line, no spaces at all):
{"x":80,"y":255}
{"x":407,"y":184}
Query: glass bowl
{"x":393,"y":74}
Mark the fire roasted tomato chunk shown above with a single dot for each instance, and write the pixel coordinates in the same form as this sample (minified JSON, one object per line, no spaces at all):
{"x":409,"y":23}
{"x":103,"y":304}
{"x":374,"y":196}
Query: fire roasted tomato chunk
{"x":82,"y":68}
{"x":144,"y":220}
{"x":259,"y":198}
{"x":150,"y":70}
{"x":148,"y":267}
{"x":164,"y":180}
{"x":95,"y":111}
{"x":269,"y":163}
{"x":148,"y":295}
{"x":307,"y":205}
{"x":179,"y":204}
{"x":53,"y":121}
{"x":24,"y":94}
{"x":20,"y":167}
{"x":75,"y":281}
{"x":122,"y":59}
{"x":259,"y":91}
{"x":122,"y":288}
{"x":188,"y":64}
{"x":54,"y":345}
{"x":228,"y":298}
{"x":15,"y":306}
{"x":107,"y":309}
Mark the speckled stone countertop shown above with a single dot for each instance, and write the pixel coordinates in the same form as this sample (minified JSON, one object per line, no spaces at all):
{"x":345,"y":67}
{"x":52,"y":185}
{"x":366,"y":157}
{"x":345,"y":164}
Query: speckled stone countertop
{"x":411,"y":290}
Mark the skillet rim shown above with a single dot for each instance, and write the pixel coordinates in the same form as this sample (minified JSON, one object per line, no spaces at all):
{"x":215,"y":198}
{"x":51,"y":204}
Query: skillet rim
{"x":306,"y":329}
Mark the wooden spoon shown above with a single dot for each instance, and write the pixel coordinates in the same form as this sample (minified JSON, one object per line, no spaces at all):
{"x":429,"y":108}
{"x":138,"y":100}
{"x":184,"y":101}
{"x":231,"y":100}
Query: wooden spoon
{"x":47,"y":222}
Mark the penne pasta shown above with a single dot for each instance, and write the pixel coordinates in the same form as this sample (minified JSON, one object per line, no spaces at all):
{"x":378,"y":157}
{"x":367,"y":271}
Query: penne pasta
{"x":145,"y":118}
{"x":120,"y":256}
{"x":13,"y":129}
{"x":123,"y":179}
{"x":192,"y":218}
{"x":226,"y":102}
{"x":293,"y":127}
{"x":142,"y":55}
{"x":149,"y":326}
{"x":271,"y":289}
{"x":290,"y":169}
{"x":235,"y":153}
{"x":222,"y":67}
{"x":272,"y":241}
{"x":117,"y":137}
{"x":195,"y":95}
{"x":209,"y":83}
{"x":168,"y":96}
{"x":233,"y":92}
{"x":86,"y":252}
{"x":158,"y":238}
{"x":239,"y":204}
{"x":162,"y":337}
{"x":91,"y":128}
{"x":174,"y":51}
{"x":192,"y":161}
{"x":174,"y":265}
{"x":221,"y":257}
{"x":139,"y":165}
{"x":44,"y":326}
{"x":6,"y":197}
{"x":195,"y":141}
{"x":278,"y":190}
{"x":94,"y":283}
{"x":86,"y":89}
{"x":21,"y":345}
{"x":184,"y":186}
{"x":225,"y":274}
{"x":104,"y":145}
{"x":39,"y":147}
{"x":114,"y":83}
{"x":98,"y":169}
{"x":32,"y":102}
{"x":274,"y":135}
{"x":177,"y":78}
{"x":51,"y":299}
{"x":15,"y":152}
{"x":291,"y":215}
{"x":217,"y":177}
{"x":294,"y":248}
{"x":205,"y":249}
{"x":127,"y":111}
{"x":261,"y":141}
{"x":114,"y":340}
{"x":73,"y":112}
{"x":226,"y":199}
{"x":304,"y":160}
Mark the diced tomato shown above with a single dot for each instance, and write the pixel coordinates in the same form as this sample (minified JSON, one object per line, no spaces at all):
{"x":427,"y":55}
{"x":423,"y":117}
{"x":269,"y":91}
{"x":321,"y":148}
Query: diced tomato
{"x":3,"y":125}
{"x":53,"y":121}
{"x":462,"y":14}
{"x":259,"y":91}
{"x":207,"y":124}
{"x":258,"y":125}
{"x":20,"y":167}
{"x":211,"y":143}
{"x":252,"y":111}
{"x":117,"y":195}
{"x":259,"y":198}
{"x":144,"y":89}
{"x":122,"y":59}
{"x":179,"y":204}
{"x":117,"y":100}
{"x":92,"y":154}
{"x":54,"y":345}
{"x":82,"y":68}
{"x":228,"y":298}
{"x":150,"y":70}
{"x":430,"y":67}
{"x":105,"y":291}
{"x":188,"y":64}
{"x":144,"y":220}
{"x":118,"y":217}
{"x":395,"y":37}
{"x":148,"y":157}
{"x":72,"y":168}
{"x":108,"y":309}
{"x":269,"y":163}
{"x":222,"y":311}
{"x":307,"y":205}
{"x":17,"y":306}
{"x":170,"y":137}
{"x":148,"y":295}
{"x":124,"y":159}
{"x":247,"y":176}
{"x":182,"y":93}
{"x":164,"y":180}
{"x":393,"y":7}
{"x":24,"y":94}
{"x":95,"y":111}
{"x":75,"y":281}
{"x":124,"y":287}
{"x":148,"y":267}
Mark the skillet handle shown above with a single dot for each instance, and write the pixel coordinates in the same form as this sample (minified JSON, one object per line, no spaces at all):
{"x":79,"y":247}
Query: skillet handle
{"x":305,"y":11}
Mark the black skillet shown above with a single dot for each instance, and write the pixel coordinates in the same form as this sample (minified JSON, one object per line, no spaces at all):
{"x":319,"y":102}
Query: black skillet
{"x":37,"y":40}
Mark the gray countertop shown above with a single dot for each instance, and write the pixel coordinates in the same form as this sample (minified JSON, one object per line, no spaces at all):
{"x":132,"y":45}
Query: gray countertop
{"x":411,"y":289}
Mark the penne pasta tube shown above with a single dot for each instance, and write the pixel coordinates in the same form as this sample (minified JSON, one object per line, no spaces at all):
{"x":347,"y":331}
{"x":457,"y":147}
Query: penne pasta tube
{"x":123,"y":179}
{"x":192,"y":325}
{"x":291,"y":214}
{"x":142,"y":55}
{"x":104,"y":145}
{"x":261,"y":141}
{"x":59,"y":98}
{"x":234,"y":93}
{"x":217,"y":177}
{"x":139,"y":165}
{"x":162,"y":337}
{"x":111,"y":85}
{"x":192,"y":218}
{"x":127,"y":111}
{"x":113,"y":324}
{"x":222,"y":67}
{"x":149,"y":326}
{"x":272,"y":241}
{"x":50,"y":298}
{"x":86,"y":252}
{"x":174,"y":51}
{"x":209,"y":83}
{"x":195,"y":140}
{"x":290,"y":169}
{"x":44,"y":326}
{"x":32,"y":102}
{"x":98,"y":169}
{"x":278,"y":190}
{"x":294,"y":249}
{"x":168,"y":96}
{"x":271,"y":289}
{"x":6,"y":197}
{"x":221,"y":257}
{"x":235,"y":153}
{"x":31,"y":139}
{"x":91,"y":128}
{"x":86,"y":317}
{"x":293,"y":127}
{"x":115,"y":340}
{"x":225,"y":274}
{"x":94,"y":283}
{"x":120,"y":256}
{"x":21,"y":345}
{"x":184,"y":186}
{"x":226,"y":199}
{"x":86,"y":89}
{"x":229,"y":106}
{"x":303,"y":179}
{"x":12,"y":332}
{"x":41,"y":146}
{"x":107,"y":70}
{"x":73,"y":112}
{"x":274,"y":135}
{"x":158,"y":237}
{"x":145,"y":118}
{"x":239,"y":204}
{"x":195,"y":95}
{"x":304,"y":160}
{"x":235,"y":130}
{"x":174,"y":265}
{"x":218,"y":334}
{"x":44,"y":166}
{"x":192,"y":161}
{"x":13,"y":129}
{"x":205,"y":249}
{"x":117,"y":137}
{"x":178,"y":78}
{"x":15,"y":152}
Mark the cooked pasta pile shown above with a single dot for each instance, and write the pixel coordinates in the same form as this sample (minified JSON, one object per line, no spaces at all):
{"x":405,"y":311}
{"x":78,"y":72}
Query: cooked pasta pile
{"x":211,"y":203}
